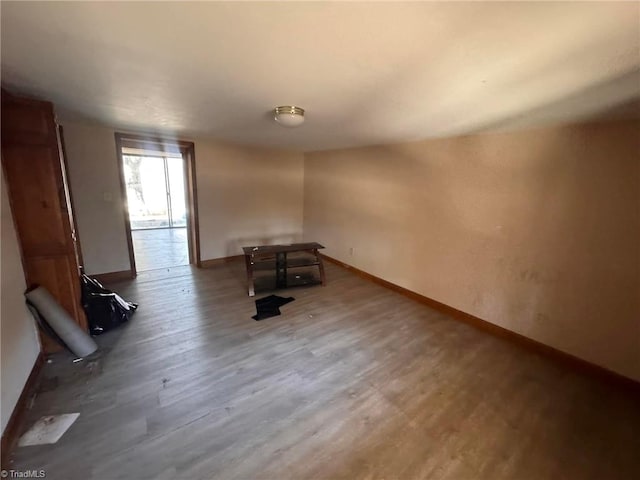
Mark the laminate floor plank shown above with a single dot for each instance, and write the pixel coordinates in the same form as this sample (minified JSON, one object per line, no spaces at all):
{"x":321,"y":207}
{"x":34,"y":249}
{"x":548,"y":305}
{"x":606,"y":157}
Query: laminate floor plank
{"x":352,"y":381}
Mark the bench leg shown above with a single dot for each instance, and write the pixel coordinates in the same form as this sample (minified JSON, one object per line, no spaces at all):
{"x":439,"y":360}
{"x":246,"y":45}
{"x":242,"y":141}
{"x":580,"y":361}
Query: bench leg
{"x":281,"y":270}
{"x":249,"y":265}
{"x":320,"y":267}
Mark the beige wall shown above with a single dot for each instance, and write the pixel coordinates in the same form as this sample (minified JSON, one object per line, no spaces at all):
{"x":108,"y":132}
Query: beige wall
{"x":245,"y":195}
{"x":537,"y":231}
{"x":97,"y":201}
{"x":19,"y":345}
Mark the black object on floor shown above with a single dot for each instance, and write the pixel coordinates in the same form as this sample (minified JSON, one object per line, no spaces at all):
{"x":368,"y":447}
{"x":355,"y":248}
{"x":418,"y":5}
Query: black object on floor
{"x":268,"y":307}
{"x":105,"y":309}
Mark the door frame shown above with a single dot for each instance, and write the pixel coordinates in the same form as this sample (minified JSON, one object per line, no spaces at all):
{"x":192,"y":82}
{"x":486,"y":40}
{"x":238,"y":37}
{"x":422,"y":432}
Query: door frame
{"x":170,"y":146}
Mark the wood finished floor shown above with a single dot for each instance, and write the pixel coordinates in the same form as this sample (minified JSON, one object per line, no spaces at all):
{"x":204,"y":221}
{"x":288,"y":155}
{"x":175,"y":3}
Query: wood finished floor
{"x":353,"y":381}
{"x":160,"y":248}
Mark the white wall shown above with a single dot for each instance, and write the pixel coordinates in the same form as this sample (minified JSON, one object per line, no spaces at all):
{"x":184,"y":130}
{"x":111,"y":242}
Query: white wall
{"x":245,"y":196}
{"x":537,"y":231}
{"x":19,"y":345}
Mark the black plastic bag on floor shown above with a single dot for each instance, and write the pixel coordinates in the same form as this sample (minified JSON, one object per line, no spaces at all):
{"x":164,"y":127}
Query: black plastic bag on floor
{"x":105,"y":309}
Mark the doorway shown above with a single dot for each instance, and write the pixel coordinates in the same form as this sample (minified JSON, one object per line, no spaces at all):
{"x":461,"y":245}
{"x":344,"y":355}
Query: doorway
{"x":157,"y":210}
{"x":158,"y":183}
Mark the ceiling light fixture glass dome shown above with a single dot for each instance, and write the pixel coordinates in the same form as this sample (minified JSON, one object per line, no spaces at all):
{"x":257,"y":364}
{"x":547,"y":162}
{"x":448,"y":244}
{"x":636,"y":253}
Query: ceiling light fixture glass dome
{"x":289,"y":116}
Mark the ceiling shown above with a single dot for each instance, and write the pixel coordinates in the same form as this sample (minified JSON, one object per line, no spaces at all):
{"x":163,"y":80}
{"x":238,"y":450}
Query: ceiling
{"x":367,"y":73}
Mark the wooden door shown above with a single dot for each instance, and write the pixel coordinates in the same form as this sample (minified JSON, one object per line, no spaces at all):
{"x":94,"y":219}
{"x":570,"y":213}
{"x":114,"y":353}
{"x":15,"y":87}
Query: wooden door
{"x":39,"y":197}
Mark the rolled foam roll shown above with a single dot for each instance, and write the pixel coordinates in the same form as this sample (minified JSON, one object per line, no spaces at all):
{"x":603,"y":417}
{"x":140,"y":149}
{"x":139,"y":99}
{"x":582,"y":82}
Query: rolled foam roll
{"x":78,"y":341}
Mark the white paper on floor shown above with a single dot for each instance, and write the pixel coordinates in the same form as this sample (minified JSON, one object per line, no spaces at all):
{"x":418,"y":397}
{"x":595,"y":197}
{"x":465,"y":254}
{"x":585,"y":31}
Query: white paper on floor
{"x":48,"y":429}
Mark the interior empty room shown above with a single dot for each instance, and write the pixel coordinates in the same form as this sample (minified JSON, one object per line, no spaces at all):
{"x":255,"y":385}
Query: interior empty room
{"x":329,"y":240}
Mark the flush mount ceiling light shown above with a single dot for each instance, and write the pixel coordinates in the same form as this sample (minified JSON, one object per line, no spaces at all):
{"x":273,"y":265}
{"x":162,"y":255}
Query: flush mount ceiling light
{"x":289,"y":116}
